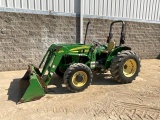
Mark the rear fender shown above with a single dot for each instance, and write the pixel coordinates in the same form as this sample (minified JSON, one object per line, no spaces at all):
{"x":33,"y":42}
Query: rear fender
{"x":113,"y":53}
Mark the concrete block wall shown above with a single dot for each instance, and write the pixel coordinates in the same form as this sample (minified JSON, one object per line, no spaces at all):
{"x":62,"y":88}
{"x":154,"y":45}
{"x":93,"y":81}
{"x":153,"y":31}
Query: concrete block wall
{"x":24,"y":38}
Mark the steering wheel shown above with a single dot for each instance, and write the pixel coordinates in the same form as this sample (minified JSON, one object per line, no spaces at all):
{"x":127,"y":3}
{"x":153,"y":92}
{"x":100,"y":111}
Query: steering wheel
{"x":96,"y":43}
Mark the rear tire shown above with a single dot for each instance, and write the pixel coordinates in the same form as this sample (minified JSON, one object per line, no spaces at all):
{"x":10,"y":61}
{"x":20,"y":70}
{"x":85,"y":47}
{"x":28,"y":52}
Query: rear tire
{"x":125,"y":67}
{"x":77,"y":77}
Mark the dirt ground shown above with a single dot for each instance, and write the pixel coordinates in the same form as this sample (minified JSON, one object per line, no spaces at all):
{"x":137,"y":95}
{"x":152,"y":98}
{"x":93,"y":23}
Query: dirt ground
{"x":103,"y":100}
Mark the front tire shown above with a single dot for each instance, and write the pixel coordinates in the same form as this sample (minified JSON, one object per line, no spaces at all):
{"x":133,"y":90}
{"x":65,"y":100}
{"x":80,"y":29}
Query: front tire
{"x":77,"y":77}
{"x":125,"y":67}
{"x":60,"y":72}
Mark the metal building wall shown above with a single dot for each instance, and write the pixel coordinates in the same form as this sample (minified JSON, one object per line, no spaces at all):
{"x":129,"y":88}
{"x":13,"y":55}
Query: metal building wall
{"x":69,"y":6}
{"x":131,"y":9}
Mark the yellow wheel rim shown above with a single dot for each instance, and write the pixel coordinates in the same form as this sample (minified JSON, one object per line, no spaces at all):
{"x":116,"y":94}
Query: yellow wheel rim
{"x":79,"y":83}
{"x":129,"y":68}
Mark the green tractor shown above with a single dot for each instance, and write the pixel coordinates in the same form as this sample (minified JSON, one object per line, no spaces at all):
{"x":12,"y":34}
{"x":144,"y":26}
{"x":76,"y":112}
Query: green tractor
{"x":76,"y":62}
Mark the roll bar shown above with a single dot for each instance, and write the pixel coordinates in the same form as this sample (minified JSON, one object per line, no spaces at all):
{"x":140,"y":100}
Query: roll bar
{"x":122,"y":37}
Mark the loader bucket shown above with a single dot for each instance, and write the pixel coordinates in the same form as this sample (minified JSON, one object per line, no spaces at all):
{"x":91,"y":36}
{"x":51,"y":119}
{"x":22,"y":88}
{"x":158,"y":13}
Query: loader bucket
{"x":31,"y":86}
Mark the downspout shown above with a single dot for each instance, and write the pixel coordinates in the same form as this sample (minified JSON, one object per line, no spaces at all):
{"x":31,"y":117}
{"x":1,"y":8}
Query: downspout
{"x":81,"y":21}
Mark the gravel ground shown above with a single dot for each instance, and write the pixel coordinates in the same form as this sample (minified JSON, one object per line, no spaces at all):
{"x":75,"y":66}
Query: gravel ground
{"x":103,"y":100}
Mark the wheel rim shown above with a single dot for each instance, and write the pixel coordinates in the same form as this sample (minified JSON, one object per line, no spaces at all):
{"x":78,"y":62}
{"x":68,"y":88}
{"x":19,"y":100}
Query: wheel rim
{"x":82,"y":82}
{"x":129,"y":68}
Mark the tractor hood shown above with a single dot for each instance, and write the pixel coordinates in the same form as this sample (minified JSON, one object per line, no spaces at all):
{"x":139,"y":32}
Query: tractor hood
{"x":59,"y":48}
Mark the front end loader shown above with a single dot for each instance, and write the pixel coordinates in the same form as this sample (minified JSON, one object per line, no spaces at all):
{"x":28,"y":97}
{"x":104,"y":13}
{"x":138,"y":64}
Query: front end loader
{"x":76,"y":62}
{"x":57,"y":59}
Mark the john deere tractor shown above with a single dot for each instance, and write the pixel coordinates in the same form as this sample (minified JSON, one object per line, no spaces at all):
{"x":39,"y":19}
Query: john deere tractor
{"x":76,"y":62}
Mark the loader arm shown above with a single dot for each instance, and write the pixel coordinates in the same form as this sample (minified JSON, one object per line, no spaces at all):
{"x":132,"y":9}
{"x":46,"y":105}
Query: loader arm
{"x":32,"y":85}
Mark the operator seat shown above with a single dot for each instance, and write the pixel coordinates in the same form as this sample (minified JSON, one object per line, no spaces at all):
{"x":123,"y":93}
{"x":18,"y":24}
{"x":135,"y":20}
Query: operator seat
{"x":110,"y":47}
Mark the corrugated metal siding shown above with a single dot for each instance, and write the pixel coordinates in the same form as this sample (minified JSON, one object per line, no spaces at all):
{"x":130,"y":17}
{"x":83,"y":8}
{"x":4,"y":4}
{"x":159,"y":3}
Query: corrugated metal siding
{"x":69,"y":6}
{"x":132,"y":9}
